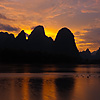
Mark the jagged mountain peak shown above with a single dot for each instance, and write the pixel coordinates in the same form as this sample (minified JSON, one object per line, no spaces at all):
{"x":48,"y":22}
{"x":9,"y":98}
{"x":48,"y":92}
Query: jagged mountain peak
{"x":39,"y":27}
{"x":38,"y":32}
{"x":21,"y":35}
{"x":87,"y":50}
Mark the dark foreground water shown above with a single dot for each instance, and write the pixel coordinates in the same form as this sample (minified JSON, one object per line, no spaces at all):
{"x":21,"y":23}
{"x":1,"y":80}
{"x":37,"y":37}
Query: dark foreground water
{"x":51,"y":82}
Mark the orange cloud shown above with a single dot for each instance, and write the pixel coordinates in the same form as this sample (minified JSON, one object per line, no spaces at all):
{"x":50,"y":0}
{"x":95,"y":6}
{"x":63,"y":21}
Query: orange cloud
{"x":89,"y":11}
{"x":53,"y":15}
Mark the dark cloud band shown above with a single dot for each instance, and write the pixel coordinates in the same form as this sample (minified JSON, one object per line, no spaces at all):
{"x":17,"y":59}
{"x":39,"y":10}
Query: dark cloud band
{"x":8,"y":28}
{"x":5,"y":18}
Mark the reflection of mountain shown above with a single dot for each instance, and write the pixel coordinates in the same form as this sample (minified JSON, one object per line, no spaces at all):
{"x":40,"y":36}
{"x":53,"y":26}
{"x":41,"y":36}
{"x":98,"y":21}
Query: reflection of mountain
{"x":64,"y":88}
{"x":39,"y":46}
{"x":35,"y":87}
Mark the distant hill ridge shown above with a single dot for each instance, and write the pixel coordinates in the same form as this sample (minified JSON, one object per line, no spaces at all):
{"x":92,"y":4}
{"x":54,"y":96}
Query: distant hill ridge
{"x":90,"y":57}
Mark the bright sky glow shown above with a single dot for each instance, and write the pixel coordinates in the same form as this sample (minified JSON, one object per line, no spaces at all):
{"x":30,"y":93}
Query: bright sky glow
{"x":82,"y":17}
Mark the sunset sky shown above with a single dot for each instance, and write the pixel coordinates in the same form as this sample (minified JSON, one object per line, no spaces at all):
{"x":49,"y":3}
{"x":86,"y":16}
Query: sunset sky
{"x":82,"y":17}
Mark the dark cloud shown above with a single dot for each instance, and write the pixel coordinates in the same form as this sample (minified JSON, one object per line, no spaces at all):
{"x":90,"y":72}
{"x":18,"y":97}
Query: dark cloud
{"x":32,"y":28}
{"x":4,"y":17}
{"x":8,"y":28}
{"x":92,"y":35}
{"x":91,"y":38}
{"x":77,"y":33}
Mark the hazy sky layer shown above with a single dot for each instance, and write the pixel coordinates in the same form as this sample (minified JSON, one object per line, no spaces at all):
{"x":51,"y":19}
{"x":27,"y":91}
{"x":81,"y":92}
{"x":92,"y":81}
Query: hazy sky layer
{"x":82,"y":17}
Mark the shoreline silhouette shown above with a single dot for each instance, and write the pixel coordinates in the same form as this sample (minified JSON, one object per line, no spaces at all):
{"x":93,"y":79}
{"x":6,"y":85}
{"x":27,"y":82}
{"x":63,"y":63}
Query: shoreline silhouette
{"x":39,"y":48}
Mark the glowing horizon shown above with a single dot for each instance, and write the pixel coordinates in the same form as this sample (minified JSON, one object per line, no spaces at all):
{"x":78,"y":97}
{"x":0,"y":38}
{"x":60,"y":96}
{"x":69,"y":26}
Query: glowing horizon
{"x":82,"y":17}
{"x":50,"y":33}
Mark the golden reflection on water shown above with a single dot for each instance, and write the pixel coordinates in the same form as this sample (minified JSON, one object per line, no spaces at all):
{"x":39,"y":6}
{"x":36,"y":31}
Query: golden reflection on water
{"x":25,"y":88}
{"x":87,"y":69}
{"x":86,"y":88}
{"x":49,"y":88}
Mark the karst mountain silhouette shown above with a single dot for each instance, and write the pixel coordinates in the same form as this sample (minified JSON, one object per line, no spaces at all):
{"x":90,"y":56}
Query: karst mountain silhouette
{"x":39,"y":45}
{"x":38,"y":41}
{"x":65,"y":43}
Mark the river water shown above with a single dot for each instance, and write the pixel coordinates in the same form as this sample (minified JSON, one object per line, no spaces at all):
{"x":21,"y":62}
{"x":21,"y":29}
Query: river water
{"x":49,"y":82}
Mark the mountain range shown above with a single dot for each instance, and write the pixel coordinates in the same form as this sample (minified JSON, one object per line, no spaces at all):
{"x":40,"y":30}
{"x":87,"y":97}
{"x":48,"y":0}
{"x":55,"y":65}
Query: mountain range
{"x":38,"y":47}
{"x":92,"y":57}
